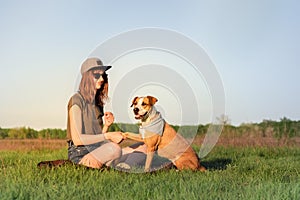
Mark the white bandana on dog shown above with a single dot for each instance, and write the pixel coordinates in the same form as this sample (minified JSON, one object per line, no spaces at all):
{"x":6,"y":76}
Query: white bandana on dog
{"x":156,"y":126}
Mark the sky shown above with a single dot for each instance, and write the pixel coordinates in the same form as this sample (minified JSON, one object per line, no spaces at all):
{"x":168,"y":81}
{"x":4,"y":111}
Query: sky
{"x":253,"y":44}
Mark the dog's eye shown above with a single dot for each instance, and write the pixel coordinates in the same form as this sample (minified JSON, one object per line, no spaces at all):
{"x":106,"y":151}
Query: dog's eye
{"x":143,"y":104}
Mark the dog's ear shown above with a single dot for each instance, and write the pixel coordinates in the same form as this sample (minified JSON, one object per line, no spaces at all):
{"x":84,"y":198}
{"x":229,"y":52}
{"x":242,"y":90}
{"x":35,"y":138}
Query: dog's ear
{"x":152,"y":100}
{"x":133,"y":101}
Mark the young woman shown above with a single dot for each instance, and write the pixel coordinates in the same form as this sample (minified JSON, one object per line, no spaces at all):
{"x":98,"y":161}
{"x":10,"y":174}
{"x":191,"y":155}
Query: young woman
{"x":89,"y":142}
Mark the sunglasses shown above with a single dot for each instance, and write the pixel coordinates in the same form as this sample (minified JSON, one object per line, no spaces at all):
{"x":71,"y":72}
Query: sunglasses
{"x":98,"y":75}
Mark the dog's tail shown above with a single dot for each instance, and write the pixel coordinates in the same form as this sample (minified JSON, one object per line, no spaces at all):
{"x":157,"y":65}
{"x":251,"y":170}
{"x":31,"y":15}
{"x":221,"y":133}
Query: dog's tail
{"x":201,"y":168}
{"x":53,"y":163}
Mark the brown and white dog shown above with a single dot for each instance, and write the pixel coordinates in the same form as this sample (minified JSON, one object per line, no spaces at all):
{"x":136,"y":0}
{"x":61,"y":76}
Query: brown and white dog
{"x":159,"y":136}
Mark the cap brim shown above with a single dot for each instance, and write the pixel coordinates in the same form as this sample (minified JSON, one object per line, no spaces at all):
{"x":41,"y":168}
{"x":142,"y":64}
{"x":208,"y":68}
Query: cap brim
{"x":104,"y":68}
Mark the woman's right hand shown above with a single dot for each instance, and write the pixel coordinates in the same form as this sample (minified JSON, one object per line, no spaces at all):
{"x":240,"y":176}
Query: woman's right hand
{"x":108,"y":119}
{"x":115,"y":137}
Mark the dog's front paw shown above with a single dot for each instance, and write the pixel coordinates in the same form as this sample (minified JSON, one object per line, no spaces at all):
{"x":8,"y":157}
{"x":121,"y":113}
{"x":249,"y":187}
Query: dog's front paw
{"x":125,"y":135}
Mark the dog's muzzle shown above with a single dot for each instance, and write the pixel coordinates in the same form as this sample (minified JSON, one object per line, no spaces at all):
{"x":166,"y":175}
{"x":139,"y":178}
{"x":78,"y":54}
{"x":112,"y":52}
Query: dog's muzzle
{"x":137,"y":115}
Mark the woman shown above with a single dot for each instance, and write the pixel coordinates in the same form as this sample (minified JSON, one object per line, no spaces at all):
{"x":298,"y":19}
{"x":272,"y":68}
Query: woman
{"x":89,"y":142}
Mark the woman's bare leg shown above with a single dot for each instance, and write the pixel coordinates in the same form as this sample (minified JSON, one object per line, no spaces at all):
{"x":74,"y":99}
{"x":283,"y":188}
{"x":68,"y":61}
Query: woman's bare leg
{"x":105,"y":154}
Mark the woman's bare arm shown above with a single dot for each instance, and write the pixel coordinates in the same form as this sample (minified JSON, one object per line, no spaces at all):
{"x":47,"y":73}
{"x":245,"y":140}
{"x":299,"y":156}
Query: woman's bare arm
{"x":76,"y":127}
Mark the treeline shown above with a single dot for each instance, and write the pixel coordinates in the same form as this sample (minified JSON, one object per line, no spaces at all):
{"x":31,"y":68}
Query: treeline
{"x":285,"y":128}
{"x":267,"y":128}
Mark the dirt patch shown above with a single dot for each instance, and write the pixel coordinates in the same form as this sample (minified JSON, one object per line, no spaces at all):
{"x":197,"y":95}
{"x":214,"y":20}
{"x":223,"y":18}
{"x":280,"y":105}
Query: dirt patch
{"x":246,"y":141}
{"x":31,"y":144}
{"x":240,"y":141}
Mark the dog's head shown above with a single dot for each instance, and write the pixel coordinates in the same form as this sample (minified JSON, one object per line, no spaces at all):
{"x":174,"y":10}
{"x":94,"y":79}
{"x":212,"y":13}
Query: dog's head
{"x":142,"y":106}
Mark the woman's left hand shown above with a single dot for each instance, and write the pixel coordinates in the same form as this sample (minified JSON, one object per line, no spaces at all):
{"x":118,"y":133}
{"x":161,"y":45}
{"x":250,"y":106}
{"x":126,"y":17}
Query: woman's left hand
{"x":115,"y":137}
{"x":108,"y":119}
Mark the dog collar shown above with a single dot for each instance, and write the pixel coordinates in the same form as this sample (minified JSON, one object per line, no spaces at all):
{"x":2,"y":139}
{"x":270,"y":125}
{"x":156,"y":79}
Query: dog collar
{"x":155,"y":126}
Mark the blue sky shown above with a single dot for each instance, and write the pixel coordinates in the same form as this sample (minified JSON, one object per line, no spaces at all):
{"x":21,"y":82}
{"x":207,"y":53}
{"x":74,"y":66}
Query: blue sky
{"x":254,"y":45}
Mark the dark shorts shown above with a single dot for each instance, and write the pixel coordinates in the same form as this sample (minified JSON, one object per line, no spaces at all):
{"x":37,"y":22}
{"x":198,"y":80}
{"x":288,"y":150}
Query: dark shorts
{"x":76,"y":153}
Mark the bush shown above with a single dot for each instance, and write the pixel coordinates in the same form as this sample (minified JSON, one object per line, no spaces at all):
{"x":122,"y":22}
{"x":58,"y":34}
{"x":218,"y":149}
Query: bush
{"x":3,"y":133}
{"x":52,"y":133}
{"x":22,"y":133}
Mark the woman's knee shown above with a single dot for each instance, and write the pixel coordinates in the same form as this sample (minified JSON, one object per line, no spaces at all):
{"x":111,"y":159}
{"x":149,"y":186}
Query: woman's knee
{"x":107,"y":153}
{"x":115,"y":150}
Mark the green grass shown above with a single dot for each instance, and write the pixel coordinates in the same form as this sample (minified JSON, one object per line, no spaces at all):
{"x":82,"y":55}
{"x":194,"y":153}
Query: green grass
{"x":234,"y":173}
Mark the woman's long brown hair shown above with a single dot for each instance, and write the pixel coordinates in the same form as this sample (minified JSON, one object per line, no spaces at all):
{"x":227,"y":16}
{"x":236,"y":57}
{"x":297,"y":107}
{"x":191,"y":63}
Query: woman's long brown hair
{"x":88,"y":89}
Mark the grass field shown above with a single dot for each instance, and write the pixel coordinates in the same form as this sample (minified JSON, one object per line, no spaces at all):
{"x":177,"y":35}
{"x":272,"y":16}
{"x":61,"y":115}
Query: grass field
{"x":233,"y":173}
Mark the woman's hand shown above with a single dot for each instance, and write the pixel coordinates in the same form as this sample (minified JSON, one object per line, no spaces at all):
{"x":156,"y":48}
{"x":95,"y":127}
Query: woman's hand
{"x":108,"y":119}
{"x":115,"y":137}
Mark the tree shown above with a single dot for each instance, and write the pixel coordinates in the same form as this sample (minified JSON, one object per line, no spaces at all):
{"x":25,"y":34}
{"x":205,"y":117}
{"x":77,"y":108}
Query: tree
{"x":22,"y":133}
{"x":224,"y":120}
{"x":3,"y":133}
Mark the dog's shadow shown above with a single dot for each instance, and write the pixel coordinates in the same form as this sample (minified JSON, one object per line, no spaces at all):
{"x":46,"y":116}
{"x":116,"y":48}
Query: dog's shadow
{"x":217,"y":164}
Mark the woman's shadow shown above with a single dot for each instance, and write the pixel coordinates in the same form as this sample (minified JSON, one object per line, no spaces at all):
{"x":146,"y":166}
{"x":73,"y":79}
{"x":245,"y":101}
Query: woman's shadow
{"x":217,"y":164}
